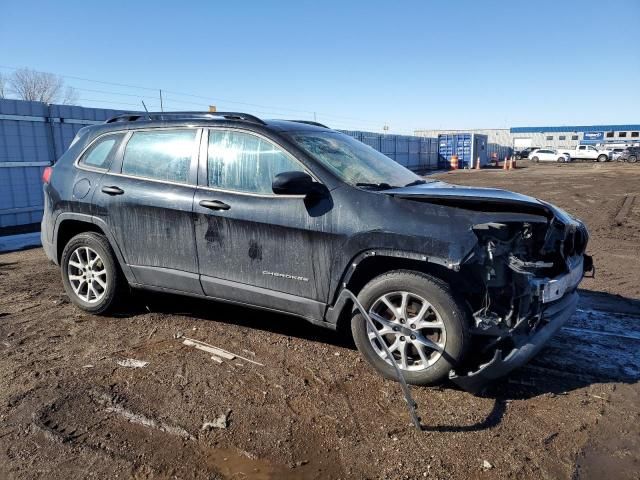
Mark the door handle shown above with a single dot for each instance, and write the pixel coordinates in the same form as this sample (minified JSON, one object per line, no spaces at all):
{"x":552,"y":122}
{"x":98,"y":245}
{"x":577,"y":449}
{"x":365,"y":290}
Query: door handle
{"x":113,"y":190}
{"x":214,"y":205}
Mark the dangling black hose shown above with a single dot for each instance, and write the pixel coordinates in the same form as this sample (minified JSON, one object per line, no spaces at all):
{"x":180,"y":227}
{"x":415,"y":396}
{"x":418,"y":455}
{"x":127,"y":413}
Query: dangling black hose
{"x":411,"y":404}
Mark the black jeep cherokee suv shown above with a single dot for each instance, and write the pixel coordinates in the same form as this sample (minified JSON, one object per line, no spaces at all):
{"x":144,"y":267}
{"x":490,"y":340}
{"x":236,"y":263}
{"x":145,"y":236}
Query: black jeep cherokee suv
{"x":466,"y":283}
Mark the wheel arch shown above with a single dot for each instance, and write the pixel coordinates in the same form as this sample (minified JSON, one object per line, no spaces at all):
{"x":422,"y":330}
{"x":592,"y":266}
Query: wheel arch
{"x":69,"y":225}
{"x":373,"y":263}
{"x":69,"y":228}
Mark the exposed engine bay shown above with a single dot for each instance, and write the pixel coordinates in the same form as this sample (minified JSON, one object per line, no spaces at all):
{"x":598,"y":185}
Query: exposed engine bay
{"x":519,"y":268}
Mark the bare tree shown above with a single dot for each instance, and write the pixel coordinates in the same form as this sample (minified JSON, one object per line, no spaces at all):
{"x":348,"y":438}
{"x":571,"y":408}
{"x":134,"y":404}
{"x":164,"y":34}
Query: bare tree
{"x":70,"y":96}
{"x":44,"y":87}
{"x":3,"y":86}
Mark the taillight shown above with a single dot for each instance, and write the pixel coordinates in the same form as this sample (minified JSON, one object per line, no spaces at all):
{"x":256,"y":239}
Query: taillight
{"x":46,"y":174}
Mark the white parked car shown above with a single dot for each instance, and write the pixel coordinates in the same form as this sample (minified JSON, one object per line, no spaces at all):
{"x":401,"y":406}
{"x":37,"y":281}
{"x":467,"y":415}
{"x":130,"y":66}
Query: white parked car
{"x":549,"y":155}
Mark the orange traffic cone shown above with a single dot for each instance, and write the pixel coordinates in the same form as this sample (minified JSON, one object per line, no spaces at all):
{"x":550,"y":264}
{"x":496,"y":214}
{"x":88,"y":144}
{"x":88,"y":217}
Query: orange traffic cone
{"x":478,"y":164}
{"x":504,"y":165}
{"x":513,"y":163}
{"x":453,"y":163}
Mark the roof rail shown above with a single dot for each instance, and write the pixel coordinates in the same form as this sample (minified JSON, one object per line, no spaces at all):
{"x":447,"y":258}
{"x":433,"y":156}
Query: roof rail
{"x":309,"y":122}
{"x":141,"y":116}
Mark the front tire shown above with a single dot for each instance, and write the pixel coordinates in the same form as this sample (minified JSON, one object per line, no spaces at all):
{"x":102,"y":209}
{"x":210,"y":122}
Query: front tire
{"x":603,"y":158}
{"x":90,"y":273}
{"x":633,"y":159}
{"x":536,"y":159}
{"x":423,"y":324}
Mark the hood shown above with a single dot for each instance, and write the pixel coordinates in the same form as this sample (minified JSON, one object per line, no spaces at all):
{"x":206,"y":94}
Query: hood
{"x":475,"y":198}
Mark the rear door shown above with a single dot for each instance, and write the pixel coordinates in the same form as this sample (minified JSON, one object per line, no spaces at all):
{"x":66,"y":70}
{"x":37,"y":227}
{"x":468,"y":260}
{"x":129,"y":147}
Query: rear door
{"x":584,"y":151}
{"x":256,"y":247}
{"x":147,"y":199}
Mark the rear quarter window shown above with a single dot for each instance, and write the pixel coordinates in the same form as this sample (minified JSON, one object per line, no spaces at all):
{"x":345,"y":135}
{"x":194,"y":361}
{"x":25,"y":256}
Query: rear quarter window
{"x":101,"y":153}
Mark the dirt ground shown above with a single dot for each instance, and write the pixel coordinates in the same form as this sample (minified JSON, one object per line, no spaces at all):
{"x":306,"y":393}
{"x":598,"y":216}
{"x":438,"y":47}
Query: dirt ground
{"x":314,"y":409}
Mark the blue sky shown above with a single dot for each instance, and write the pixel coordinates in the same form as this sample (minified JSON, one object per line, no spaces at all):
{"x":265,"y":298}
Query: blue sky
{"x":422,"y":64}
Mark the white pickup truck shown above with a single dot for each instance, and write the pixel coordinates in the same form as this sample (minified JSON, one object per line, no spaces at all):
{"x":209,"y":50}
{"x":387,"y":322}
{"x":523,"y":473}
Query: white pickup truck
{"x":587,"y":152}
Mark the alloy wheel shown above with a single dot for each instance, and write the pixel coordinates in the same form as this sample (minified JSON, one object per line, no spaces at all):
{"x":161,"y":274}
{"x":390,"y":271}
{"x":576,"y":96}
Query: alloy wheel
{"x":411,"y":328}
{"x":87,"y":275}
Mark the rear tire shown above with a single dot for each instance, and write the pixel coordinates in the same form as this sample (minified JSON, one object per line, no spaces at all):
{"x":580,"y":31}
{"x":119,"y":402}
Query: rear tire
{"x":603,"y":158}
{"x":430,"y":313}
{"x":90,"y":273}
{"x":561,"y":160}
{"x":633,"y":159}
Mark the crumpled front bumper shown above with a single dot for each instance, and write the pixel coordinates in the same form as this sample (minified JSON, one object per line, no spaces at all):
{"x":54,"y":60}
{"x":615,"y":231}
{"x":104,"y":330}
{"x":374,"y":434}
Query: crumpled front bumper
{"x":554,"y":314}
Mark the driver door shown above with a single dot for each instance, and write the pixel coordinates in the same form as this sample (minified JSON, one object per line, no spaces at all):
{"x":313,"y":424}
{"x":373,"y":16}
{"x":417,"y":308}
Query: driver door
{"x":256,"y":247}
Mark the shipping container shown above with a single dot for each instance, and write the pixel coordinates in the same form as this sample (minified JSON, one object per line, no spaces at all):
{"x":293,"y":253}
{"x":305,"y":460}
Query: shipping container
{"x":467,"y":146}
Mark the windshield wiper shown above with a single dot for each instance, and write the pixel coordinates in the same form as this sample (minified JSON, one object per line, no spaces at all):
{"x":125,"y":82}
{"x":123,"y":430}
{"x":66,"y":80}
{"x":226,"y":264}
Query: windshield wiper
{"x":379,"y":186}
{"x":416,"y":182}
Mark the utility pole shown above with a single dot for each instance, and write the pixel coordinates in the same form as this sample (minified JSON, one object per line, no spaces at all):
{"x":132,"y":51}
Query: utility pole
{"x":161,"y":105}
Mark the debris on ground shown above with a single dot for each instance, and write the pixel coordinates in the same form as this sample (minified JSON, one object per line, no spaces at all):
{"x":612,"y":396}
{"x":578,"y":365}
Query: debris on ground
{"x":152,"y":333}
{"x":137,"y":418}
{"x":208,"y":348}
{"x":221,"y":421}
{"x":132,"y":363}
{"x":216,"y":352}
{"x":486,"y":465}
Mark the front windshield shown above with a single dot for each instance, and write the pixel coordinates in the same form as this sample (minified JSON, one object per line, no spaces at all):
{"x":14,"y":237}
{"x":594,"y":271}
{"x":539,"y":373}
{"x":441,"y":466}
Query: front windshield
{"x":353,"y":161}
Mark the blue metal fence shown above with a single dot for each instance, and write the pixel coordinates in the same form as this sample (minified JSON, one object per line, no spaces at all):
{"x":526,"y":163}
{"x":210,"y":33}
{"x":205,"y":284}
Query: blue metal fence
{"x":32,"y":136}
{"x":419,"y":154}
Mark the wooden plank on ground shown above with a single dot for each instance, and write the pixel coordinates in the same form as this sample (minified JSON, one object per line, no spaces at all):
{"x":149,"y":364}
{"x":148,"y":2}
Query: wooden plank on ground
{"x":206,"y":348}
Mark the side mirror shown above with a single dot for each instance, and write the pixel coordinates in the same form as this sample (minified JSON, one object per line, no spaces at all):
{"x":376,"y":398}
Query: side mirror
{"x":295,"y":183}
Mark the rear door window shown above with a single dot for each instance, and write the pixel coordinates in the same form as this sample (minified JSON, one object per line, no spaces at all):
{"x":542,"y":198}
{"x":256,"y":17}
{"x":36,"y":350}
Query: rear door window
{"x":101,"y":153}
{"x":160,"y":154}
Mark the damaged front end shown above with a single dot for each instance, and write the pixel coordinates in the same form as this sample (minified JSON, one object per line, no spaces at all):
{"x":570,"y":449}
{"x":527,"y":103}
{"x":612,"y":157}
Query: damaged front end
{"x":525,"y":276}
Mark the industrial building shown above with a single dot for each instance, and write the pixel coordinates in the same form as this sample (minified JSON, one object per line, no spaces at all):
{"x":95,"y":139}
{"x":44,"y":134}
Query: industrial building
{"x":553,"y":137}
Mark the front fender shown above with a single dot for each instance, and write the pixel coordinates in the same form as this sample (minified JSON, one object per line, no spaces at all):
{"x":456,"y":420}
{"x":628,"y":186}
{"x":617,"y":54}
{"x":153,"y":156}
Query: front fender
{"x":447,"y":247}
